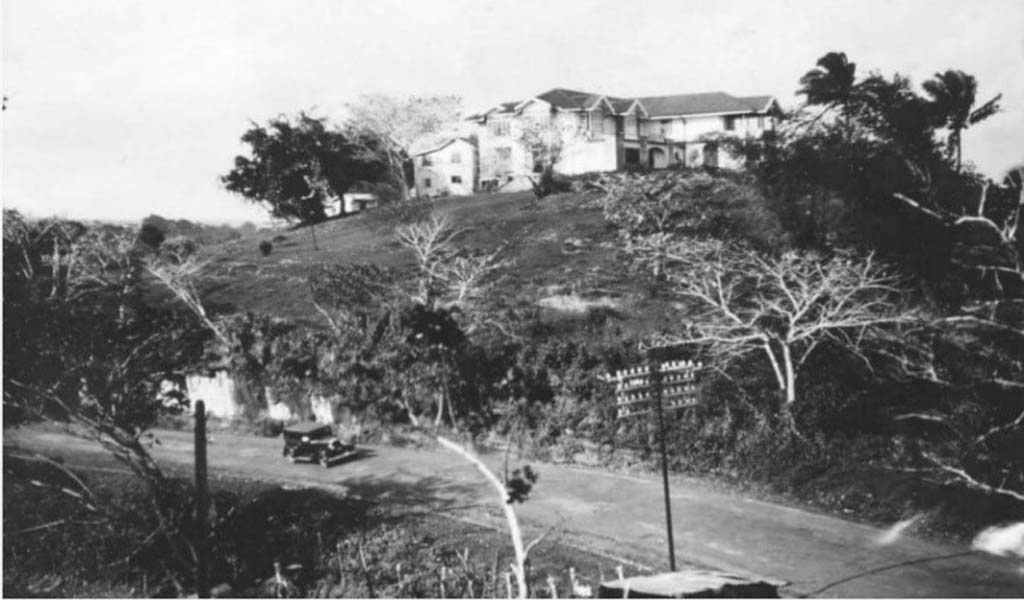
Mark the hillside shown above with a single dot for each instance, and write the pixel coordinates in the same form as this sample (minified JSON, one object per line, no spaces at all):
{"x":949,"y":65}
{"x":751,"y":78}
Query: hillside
{"x":564,"y":253}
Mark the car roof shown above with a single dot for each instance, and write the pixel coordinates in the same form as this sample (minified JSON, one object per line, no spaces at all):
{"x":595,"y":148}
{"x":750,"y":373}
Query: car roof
{"x":307,"y":427}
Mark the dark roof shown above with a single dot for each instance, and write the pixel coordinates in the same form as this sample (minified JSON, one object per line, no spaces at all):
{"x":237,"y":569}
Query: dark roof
{"x":504,"y":107}
{"x":621,"y":105}
{"x":655,"y":106}
{"x":693,"y":104}
{"x":445,"y":144}
{"x":569,"y":99}
{"x":758,"y":103}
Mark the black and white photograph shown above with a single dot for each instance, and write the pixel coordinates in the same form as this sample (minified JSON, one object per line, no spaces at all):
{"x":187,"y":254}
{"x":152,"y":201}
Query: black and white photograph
{"x":512,"y":298}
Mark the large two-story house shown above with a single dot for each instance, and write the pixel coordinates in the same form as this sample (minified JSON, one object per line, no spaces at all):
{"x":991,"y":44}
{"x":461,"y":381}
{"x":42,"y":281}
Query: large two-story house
{"x":606,"y":133}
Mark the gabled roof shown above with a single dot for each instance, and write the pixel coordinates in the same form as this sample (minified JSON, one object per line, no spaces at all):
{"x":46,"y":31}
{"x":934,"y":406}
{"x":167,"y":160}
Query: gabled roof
{"x":507,"y":107}
{"x":624,"y":106}
{"x":652,"y":106}
{"x":443,"y":145}
{"x":570,"y":99}
{"x":758,"y":103}
{"x":621,"y":105}
{"x":694,"y":104}
{"x":504,"y":107}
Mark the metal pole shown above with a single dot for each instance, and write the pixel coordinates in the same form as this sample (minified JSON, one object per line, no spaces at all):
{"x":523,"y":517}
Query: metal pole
{"x":202,"y":504}
{"x":656,"y":383}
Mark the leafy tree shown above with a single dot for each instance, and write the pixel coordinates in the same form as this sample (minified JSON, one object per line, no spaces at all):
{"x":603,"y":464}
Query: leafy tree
{"x":953,"y":95}
{"x":151,"y":235}
{"x":298,"y":166}
{"x":399,"y":122}
{"x":831,"y":83}
{"x":81,"y":348}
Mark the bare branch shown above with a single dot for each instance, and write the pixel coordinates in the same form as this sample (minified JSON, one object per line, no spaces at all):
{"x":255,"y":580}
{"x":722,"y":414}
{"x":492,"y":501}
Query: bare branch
{"x":179,"y":278}
{"x":966,"y":478}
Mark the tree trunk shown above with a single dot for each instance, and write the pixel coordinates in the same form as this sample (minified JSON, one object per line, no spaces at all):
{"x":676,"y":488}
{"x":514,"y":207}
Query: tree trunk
{"x":440,"y":409}
{"x":398,"y":172}
{"x":790,"y":373}
{"x":780,"y":378}
{"x":510,"y":514}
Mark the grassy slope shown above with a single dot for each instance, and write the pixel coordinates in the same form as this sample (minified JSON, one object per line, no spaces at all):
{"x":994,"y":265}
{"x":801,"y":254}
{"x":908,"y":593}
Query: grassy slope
{"x":562,"y":246}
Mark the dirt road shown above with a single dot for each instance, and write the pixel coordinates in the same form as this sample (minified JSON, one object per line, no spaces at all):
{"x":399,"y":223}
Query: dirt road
{"x":619,"y":515}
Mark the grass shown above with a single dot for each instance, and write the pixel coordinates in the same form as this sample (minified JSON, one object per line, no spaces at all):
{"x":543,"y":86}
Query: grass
{"x":561,"y":247}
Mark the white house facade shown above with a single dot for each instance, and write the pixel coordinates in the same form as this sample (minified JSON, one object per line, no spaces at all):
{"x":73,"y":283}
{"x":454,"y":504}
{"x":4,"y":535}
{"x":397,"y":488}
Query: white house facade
{"x":449,"y":169}
{"x":605,"y":133}
{"x":595,"y":133}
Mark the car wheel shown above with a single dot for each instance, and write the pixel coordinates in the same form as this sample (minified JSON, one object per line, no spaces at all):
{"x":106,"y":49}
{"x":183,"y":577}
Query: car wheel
{"x":323,"y":460}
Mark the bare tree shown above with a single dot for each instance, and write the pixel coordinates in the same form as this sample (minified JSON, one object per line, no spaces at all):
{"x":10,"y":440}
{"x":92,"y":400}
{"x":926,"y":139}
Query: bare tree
{"x":449,"y":274}
{"x":546,"y":141}
{"x":400,"y":122}
{"x":178,"y":274}
{"x":785,"y":307}
{"x":432,"y":241}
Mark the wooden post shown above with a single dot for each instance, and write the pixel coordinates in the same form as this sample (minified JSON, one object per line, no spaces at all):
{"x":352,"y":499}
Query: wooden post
{"x":656,"y":389}
{"x":202,"y":504}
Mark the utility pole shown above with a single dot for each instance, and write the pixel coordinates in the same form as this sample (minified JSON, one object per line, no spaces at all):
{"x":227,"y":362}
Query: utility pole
{"x":647,"y":389}
{"x":202,"y":505}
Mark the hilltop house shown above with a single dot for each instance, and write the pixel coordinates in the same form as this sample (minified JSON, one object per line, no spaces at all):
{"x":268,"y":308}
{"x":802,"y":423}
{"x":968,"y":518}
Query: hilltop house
{"x":599,"y":133}
{"x":447,"y":169}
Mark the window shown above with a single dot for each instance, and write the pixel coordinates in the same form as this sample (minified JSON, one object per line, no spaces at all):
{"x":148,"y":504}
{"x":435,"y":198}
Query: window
{"x":760,"y":122}
{"x":730,"y":123}
{"x":456,"y":157}
{"x":665,"y":127}
{"x":425,"y":161}
{"x":426,"y":182}
{"x":456,"y":179}
{"x":500,"y":127}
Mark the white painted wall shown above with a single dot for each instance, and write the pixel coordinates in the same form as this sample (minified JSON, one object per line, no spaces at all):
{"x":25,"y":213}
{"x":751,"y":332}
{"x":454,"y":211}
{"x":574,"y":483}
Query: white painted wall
{"x":586,"y":154}
{"x":219,"y":393}
{"x":456,"y":160}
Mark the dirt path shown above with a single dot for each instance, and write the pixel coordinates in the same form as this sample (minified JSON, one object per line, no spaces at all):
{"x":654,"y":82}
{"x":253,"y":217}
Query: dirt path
{"x":619,"y":515}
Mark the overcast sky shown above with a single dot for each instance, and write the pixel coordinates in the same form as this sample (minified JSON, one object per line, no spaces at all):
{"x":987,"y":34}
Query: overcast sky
{"x":120,"y":109}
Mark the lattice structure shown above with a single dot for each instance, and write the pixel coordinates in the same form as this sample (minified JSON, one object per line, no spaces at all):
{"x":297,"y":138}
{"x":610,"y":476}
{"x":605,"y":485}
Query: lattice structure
{"x":671,"y":382}
{"x":657,"y":387}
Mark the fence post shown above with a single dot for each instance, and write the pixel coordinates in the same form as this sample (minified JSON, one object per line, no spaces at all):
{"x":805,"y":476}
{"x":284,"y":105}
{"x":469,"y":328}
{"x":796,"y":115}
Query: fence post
{"x":202,"y":504}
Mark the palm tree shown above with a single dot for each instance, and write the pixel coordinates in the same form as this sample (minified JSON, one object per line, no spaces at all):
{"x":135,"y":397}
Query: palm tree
{"x":831,"y":83}
{"x":953,"y":95}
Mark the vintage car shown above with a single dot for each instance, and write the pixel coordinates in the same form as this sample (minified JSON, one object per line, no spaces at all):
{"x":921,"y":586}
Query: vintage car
{"x":314,"y":442}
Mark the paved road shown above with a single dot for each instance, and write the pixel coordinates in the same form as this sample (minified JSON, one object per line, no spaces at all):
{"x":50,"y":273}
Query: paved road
{"x":621,"y":516}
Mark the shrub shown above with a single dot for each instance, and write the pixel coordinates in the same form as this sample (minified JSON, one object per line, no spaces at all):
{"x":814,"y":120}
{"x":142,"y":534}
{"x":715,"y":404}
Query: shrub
{"x":151,"y":235}
{"x":266,"y":248}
